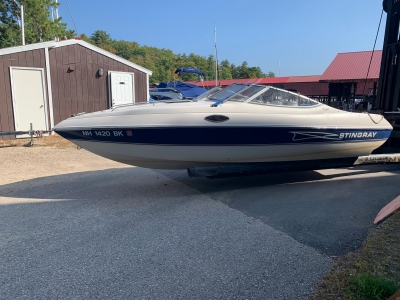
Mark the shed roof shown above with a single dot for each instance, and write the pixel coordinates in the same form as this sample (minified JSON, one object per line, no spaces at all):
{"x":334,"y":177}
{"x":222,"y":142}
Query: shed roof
{"x":353,"y":67}
{"x":57,"y":44}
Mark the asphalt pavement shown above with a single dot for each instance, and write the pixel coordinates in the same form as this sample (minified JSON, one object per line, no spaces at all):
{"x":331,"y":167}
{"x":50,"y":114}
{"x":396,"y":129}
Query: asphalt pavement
{"x":330,"y":210}
{"x":132,"y":233}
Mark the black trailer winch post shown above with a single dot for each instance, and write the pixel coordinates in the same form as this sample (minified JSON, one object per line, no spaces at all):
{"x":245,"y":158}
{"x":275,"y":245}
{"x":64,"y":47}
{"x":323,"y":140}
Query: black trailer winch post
{"x":30,"y":144}
{"x":31,"y":132}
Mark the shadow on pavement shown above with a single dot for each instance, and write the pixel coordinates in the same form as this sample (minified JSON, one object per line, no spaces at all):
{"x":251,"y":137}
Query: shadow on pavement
{"x":332,"y":213}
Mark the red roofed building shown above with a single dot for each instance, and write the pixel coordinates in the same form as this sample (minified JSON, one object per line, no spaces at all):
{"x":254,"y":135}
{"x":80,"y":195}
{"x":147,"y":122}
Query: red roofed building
{"x":353,"y":67}
{"x":352,"y":75}
{"x":308,"y":85}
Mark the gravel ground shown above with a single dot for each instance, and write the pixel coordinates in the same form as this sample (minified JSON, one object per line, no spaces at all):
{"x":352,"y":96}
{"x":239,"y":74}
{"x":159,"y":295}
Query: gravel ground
{"x":74,"y":225}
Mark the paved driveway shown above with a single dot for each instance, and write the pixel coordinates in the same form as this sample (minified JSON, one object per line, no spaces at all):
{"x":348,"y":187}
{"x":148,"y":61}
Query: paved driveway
{"x":134,"y":233}
{"x":329,"y":210}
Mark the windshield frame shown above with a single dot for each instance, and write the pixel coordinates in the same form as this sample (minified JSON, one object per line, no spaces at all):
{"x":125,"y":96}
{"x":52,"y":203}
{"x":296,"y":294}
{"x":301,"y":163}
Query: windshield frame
{"x":269,"y":87}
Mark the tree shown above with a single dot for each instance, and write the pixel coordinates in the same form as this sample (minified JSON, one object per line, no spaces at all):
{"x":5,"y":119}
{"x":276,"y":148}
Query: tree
{"x":164,"y":62}
{"x":210,"y":69}
{"x":125,"y":49}
{"x":270,"y":74}
{"x":225,"y":70}
{"x":255,"y":72}
{"x":100,"y":37}
{"x":37,"y":24}
{"x":85,"y":38}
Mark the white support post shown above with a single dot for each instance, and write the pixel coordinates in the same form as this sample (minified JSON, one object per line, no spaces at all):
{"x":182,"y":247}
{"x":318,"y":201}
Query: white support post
{"x":49,"y":90}
{"x":216,"y":61}
{"x":147,"y":87}
{"x":22,"y":25}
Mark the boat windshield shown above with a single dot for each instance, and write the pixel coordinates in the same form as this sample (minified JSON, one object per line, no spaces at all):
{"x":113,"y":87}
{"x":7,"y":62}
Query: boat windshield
{"x":228,"y":92}
{"x":208,"y":94}
{"x":247,"y":93}
{"x":274,"y":96}
{"x":259,"y":94}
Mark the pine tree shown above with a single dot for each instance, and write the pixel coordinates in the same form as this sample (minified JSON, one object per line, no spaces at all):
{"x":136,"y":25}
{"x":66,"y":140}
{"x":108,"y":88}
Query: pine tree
{"x":37,"y":23}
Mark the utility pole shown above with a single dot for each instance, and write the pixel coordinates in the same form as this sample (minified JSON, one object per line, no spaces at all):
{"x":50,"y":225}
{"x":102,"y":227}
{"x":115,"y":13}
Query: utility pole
{"x":279,"y":69}
{"x":22,"y":25}
{"x":216,"y":60}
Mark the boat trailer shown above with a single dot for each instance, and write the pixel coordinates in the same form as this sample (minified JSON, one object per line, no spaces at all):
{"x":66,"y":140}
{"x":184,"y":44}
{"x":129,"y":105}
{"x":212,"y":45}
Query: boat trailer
{"x":247,"y":169}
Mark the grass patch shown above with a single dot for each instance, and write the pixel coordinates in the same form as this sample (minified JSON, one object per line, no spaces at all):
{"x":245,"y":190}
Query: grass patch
{"x":373,"y":272}
{"x":370,"y":287}
{"x":46,"y":141}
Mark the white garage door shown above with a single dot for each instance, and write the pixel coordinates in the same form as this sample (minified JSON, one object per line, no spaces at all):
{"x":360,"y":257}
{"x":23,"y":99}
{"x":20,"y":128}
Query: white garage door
{"x":29,"y":98}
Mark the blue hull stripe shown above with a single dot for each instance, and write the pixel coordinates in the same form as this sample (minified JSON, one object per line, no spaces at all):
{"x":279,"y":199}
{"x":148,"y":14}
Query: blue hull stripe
{"x":225,"y":135}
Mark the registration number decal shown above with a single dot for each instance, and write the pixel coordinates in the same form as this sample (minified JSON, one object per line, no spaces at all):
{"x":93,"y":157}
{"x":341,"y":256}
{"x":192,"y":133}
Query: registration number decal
{"x":102,"y":133}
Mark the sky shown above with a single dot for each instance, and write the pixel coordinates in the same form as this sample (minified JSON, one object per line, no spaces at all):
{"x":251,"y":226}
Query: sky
{"x":287,"y":37}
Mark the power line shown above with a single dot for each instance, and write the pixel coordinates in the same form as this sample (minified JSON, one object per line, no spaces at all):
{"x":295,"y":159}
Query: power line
{"x":69,"y":9}
{"x":373,"y":50}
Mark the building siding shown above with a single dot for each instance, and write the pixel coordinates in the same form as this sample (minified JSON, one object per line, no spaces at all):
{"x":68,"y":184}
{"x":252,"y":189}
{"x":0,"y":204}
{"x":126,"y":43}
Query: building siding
{"x":27,"y":59}
{"x":310,"y":89}
{"x":76,"y":85}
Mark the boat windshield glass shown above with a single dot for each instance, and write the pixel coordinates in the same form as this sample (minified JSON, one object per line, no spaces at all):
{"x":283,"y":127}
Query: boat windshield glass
{"x":245,"y":94}
{"x":228,"y":92}
{"x":274,"y":96}
{"x":208,"y":94}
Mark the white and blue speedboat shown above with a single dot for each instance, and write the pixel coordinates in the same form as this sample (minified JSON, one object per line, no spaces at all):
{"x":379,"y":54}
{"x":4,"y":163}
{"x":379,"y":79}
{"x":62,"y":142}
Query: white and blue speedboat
{"x":240,"y":124}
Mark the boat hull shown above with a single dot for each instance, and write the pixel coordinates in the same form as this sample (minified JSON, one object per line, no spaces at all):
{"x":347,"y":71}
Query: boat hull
{"x":181,"y":148}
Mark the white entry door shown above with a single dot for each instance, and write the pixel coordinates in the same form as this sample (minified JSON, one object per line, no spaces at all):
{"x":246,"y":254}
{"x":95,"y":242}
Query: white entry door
{"x":122,"y":88}
{"x":29,"y":98}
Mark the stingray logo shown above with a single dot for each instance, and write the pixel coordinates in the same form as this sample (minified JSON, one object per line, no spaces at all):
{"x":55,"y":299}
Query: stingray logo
{"x":301,"y":136}
{"x":353,"y":135}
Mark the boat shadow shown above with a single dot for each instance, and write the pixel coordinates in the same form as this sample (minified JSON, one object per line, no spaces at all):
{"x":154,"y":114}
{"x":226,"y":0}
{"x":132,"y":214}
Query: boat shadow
{"x":115,"y":184}
{"x":330,"y":210}
{"x":249,"y":180}
{"x":122,"y":183}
